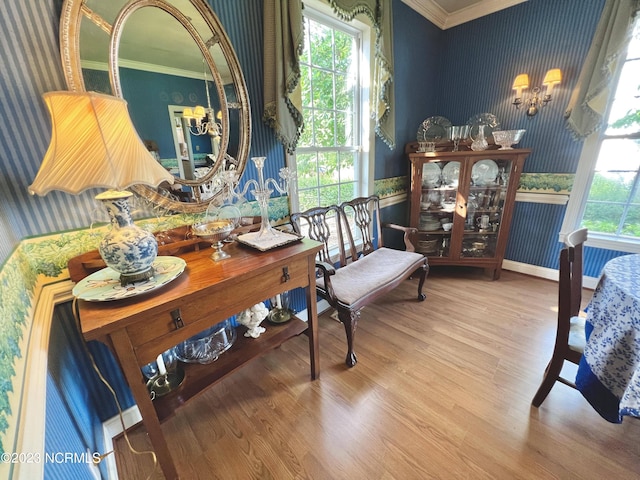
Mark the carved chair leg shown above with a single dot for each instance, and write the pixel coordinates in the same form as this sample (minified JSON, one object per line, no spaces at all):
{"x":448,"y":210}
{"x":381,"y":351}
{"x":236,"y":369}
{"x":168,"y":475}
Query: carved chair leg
{"x":350,"y":321}
{"x":423,"y":275}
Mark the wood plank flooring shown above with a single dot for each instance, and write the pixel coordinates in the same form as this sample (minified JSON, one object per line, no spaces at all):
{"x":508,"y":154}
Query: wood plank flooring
{"x":442,"y":389}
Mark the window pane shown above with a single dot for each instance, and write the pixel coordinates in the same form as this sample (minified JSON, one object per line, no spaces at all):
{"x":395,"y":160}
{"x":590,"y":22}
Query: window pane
{"x":344,"y":125}
{"x":611,"y":187}
{"x":602,"y":217}
{"x":618,"y":155}
{"x":624,"y":117}
{"x":347,"y":167}
{"x":329,"y":195}
{"x":328,"y":168}
{"x":322,"y":89}
{"x":347,"y":191}
{"x":308,"y":199}
{"x":321,"y":45}
{"x":307,"y":170}
{"x":631,"y":225}
{"x":343,"y":47}
{"x":344,"y":93}
{"x":324,"y":129}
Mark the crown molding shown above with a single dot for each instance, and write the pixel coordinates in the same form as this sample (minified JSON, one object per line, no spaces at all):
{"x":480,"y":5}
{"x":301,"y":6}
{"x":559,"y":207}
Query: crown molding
{"x":429,"y":10}
{"x":432,"y":11}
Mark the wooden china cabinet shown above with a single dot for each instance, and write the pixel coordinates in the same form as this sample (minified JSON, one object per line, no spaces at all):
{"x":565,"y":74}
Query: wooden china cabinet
{"x":462,"y":204}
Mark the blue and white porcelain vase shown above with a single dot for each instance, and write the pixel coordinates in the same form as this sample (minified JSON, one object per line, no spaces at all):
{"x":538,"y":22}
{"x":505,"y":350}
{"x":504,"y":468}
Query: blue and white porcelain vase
{"x":127,"y":248}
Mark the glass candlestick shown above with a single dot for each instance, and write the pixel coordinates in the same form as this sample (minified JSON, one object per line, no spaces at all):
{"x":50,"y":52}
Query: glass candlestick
{"x":261,"y":190}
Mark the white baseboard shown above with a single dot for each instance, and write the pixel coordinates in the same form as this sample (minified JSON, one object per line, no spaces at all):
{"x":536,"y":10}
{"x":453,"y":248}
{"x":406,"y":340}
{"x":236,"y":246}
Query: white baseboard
{"x":322,"y":307}
{"x":111,"y":429}
{"x":543,"y":272}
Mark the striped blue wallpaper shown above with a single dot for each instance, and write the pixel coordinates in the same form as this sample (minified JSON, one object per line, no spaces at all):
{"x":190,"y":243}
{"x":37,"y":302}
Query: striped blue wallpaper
{"x":481,"y":60}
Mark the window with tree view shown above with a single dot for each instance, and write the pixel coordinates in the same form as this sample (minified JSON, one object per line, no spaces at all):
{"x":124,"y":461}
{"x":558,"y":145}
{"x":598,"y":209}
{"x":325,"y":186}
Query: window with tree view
{"x":612,"y":207}
{"x":328,"y":151}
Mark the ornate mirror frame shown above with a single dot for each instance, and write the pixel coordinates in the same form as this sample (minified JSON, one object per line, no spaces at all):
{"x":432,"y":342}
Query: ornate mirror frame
{"x":74,"y":12}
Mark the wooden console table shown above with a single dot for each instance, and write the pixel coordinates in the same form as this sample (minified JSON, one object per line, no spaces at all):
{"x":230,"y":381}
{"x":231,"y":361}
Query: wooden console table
{"x":140,"y":328}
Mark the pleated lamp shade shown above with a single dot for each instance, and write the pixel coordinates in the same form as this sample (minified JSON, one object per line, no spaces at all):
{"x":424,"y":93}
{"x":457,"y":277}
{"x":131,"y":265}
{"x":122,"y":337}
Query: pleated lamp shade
{"x":94,"y":145}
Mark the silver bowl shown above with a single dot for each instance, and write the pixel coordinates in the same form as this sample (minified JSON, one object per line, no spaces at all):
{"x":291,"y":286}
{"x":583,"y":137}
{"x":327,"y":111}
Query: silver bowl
{"x":215,"y":232}
{"x":507,"y":138}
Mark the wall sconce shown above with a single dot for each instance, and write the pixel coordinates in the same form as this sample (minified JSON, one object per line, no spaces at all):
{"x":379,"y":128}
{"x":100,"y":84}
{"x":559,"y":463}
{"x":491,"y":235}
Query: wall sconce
{"x":534,"y":102}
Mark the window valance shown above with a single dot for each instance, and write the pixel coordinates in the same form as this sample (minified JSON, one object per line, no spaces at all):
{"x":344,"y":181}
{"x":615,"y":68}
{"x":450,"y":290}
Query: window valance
{"x":380,"y":14}
{"x":589,"y":99}
{"x":283,"y":45}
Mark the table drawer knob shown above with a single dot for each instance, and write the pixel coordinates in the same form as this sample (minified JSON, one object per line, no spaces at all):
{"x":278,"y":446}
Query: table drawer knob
{"x":177,"y":318}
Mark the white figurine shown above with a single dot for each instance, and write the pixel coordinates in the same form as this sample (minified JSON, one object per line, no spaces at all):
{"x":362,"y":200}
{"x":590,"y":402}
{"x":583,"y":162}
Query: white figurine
{"x":251,"y":319}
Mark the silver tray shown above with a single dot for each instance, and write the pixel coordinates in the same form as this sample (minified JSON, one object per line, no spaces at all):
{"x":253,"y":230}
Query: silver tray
{"x":268,"y":241}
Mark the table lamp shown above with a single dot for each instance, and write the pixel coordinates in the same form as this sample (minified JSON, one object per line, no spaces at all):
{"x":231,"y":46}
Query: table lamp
{"x":95,"y":145}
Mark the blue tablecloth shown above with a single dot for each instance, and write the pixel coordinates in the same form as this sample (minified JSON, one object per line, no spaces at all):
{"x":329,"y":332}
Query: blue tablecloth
{"x":609,"y":372}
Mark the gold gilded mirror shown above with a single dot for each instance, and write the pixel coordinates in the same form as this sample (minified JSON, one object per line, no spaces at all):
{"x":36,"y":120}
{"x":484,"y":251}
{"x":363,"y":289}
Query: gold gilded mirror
{"x":172,"y":61}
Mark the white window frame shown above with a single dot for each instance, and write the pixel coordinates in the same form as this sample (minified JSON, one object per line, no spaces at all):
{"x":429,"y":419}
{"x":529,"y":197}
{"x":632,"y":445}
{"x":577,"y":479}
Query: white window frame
{"x":364,"y":168}
{"x":582,"y":185}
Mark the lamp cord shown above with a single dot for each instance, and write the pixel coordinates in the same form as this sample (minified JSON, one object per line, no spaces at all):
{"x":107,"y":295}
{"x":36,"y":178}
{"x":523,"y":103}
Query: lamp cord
{"x":76,"y":317}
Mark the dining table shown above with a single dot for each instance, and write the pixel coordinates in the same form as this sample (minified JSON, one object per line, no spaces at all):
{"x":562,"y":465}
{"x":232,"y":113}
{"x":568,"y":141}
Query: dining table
{"x":608,"y":375}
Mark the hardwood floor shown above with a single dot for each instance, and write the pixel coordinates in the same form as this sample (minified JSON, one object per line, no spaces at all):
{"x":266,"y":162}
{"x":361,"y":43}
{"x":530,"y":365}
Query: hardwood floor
{"x":442,"y":389}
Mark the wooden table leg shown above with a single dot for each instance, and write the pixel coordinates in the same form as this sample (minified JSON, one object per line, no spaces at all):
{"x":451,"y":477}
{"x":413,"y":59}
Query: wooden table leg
{"x":128,"y":361}
{"x":312,"y":320}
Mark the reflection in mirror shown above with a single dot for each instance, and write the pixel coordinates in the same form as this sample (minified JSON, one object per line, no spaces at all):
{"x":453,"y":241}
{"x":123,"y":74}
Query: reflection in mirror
{"x":164,"y":57}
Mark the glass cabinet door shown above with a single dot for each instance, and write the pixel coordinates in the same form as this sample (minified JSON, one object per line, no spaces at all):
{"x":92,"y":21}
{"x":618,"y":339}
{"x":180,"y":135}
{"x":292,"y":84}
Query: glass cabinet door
{"x":440,"y":180}
{"x":485,"y":205}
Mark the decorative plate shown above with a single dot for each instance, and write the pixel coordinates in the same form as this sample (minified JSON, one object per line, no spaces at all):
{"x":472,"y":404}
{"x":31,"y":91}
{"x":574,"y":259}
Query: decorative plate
{"x":431,"y":174}
{"x":489,"y":119}
{"x":484,"y":172}
{"x":104,"y":285}
{"x":450,"y":173}
{"x":433,"y":129}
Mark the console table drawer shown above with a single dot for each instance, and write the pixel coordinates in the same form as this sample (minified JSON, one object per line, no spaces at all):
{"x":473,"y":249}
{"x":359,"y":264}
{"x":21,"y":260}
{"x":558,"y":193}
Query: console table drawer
{"x":221,"y":300}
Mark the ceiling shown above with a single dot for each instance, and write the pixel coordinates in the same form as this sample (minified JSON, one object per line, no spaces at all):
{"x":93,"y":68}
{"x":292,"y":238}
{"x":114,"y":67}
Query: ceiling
{"x":449,"y":13}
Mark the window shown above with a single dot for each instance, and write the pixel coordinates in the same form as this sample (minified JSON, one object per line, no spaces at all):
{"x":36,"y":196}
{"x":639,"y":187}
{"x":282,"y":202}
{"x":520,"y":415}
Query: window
{"x":331,"y":159}
{"x":606,"y":194}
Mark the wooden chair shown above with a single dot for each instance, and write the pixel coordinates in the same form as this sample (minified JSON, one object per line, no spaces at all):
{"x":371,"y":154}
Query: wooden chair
{"x":570,"y":336}
{"x":354,"y":267}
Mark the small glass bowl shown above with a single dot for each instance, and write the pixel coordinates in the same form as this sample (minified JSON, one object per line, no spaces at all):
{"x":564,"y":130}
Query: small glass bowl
{"x":208,"y":345}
